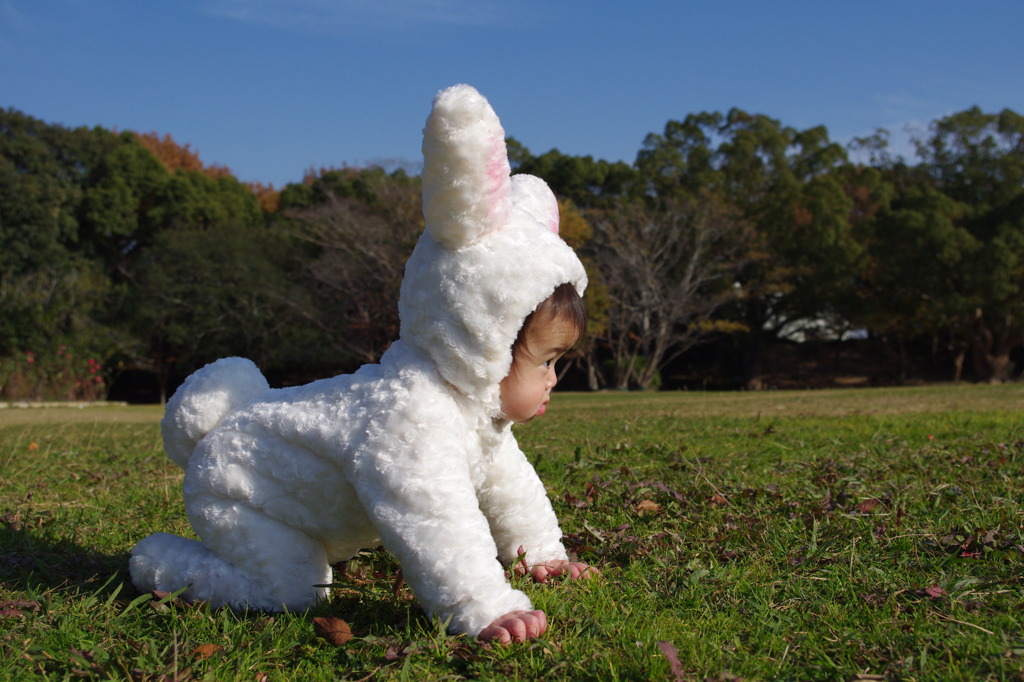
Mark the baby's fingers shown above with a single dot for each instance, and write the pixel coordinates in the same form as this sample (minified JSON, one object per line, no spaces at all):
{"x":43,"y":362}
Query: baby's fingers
{"x":576,"y":570}
{"x":528,"y":625}
{"x":517,"y":626}
{"x":580,"y":570}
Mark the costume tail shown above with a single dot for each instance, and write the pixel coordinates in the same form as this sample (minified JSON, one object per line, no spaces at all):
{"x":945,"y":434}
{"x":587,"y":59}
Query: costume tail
{"x":204,"y":399}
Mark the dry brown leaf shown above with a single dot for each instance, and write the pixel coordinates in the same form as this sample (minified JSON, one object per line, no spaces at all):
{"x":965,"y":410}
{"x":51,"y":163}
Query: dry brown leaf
{"x":670,"y":652}
{"x":718,"y":500}
{"x":868,"y":505}
{"x":648,"y":506}
{"x":206,"y":650}
{"x":18,"y":607}
{"x":334,"y":630}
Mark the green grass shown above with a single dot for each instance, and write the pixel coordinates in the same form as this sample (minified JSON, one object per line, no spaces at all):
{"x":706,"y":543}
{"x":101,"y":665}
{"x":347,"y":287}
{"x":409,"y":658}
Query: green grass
{"x":828,"y":535}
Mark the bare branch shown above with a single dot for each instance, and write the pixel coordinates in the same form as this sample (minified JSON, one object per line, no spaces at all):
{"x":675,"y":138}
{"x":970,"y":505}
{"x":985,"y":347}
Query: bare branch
{"x":667,"y":269}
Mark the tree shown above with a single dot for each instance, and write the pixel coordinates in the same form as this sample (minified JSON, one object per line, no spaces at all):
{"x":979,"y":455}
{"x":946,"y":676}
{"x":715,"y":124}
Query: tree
{"x":193,"y":200}
{"x":912,"y":284}
{"x":576,"y":230}
{"x":175,"y":157}
{"x":41,"y":190}
{"x":120,"y":204}
{"x":667,"y":269}
{"x":782,"y":181}
{"x":977,"y":160}
{"x":226,"y":290}
{"x":81,"y":209}
{"x":51,"y":291}
{"x":360,"y":228}
{"x":581,"y":179}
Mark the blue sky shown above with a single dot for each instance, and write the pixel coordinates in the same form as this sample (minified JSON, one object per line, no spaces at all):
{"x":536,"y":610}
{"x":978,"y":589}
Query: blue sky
{"x":271,"y":88}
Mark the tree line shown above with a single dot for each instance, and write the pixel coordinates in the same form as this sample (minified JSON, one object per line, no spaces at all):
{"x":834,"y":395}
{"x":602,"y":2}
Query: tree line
{"x":123,"y":255}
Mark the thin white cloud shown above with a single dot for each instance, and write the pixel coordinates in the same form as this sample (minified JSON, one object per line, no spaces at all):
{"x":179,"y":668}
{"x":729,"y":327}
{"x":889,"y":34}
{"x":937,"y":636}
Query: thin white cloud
{"x":12,"y":17}
{"x":904,"y":105}
{"x":332,"y":16}
{"x":909,"y":115}
{"x":13,"y":22}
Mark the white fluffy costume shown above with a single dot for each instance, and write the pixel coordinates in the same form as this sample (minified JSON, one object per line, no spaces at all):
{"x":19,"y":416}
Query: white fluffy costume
{"x":410,"y":453}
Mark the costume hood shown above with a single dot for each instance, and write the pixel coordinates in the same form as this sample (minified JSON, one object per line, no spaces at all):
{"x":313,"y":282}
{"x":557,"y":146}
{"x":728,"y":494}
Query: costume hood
{"x":490,"y":252}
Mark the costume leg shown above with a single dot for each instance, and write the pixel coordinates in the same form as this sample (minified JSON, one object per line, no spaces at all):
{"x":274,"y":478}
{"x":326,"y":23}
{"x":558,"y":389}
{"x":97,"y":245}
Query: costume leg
{"x":245,"y":559}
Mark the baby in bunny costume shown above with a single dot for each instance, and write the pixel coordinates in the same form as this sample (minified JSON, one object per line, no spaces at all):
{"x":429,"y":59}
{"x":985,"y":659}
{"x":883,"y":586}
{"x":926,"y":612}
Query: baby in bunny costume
{"x":415,"y":453}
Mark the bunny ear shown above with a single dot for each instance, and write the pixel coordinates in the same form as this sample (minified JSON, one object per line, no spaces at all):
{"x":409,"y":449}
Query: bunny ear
{"x":466,"y":186}
{"x":533,"y":196}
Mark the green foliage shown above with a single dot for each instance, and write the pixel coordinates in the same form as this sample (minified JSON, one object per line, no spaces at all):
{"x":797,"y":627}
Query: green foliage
{"x":784,"y":182}
{"x":581,"y":179}
{"x":85,"y":217}
{"x":364,"y":185}
{"x":121,"y":195}
{"x":217,"y":292}
{"x":947,"y":254}
{"x":784,"y":535}
{"x":931,"y":254}
{"x":194,"y":200}
{"x":40,"y":181}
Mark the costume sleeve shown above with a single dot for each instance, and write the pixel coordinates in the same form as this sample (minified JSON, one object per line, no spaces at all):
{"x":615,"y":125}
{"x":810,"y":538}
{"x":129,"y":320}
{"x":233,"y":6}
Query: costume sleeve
{"x":517,"y":507}
{"x":414,"y":481}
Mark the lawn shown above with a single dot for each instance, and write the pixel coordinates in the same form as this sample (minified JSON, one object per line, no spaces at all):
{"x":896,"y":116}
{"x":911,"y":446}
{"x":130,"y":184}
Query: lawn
{"x":825,"y":535}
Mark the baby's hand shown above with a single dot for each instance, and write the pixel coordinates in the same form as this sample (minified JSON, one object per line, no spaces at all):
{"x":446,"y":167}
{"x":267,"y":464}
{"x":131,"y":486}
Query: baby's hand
{"x":575,"y":569}
{"x":515,"y":626}
{"x":550,"y":569}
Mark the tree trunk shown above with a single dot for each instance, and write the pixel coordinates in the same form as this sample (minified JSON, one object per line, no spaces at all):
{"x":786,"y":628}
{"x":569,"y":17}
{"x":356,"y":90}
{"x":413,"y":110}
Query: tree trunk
{"x":958,"y":364}
{"x":753,"y":363}
{"x":992,"y":352}
{"x":991,"y":365}
{"x":593,"y":379}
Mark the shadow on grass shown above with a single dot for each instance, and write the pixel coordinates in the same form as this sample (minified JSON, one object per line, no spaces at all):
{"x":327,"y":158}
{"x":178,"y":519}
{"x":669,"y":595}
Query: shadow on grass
{"x":33,"y":561}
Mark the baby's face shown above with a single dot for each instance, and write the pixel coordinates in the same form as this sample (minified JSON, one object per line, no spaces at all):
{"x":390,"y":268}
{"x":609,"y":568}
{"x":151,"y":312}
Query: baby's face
{"x":526,"y":390}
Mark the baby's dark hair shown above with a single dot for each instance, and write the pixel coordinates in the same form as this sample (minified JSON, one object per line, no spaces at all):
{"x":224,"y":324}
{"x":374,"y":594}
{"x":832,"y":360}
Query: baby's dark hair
{"x":564,"y":305}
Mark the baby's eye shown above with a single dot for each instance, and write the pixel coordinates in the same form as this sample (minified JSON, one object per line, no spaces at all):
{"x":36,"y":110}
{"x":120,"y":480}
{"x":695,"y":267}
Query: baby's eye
{"x":551,"y":361}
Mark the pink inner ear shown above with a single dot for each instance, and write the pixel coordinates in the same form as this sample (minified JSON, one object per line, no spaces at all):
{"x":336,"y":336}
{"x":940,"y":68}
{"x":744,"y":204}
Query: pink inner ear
{"x":553,"y":213}
{"x":498,"y":174}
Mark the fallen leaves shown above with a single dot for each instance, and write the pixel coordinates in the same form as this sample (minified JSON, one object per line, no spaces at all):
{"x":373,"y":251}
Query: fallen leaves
{"x":591,"y":492}
{"x":206,"y":650}
{"x":333,"y":630}
{"x":869,"y":505}
{"x":18,"y":607}
{"x":31,"y":520}
{"x":83,"y":663}
{"x":672,"y":654}
{"x":989,"y":544}
{"x":718,"y":500}
{"x":648,"y":506}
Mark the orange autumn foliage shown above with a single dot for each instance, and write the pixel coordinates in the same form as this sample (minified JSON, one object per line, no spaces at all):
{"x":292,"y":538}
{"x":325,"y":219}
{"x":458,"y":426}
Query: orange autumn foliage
{"x":175,"y":157}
